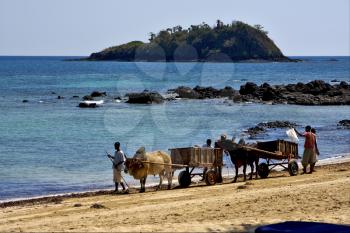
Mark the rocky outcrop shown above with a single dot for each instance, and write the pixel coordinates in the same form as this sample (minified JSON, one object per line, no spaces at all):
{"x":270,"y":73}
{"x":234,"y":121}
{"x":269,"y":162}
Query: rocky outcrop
{"x":145,"y":97}
{"x":261,"y":127}
{"x":316,"y":92}
{"x":199,"y":92}
{"x":98,"y":94}
{"x":344,"y":123}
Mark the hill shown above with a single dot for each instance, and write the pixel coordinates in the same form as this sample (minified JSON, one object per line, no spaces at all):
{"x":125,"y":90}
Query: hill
{"x":237,"y":41}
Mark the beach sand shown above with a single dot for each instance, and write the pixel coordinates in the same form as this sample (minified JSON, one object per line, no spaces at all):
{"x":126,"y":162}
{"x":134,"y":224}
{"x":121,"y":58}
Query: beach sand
{"x":323,"y":196}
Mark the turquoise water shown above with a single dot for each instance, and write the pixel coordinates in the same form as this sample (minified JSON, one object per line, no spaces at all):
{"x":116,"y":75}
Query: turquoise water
{"x":49,"y":146}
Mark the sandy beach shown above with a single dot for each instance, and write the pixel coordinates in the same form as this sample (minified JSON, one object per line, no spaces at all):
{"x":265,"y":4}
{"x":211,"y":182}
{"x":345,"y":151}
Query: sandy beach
{"x":323,"y":196}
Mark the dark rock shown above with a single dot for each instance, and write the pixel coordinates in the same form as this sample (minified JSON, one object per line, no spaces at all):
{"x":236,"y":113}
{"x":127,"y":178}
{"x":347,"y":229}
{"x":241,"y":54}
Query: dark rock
{"x":145,"y":98}
{"x":207,"y":92}
{"x":248,"y":88}
{"x":253,"y":131}
{"x":98,"y":94}
{"x":344,"y":123}
{"x":265,"y":85}
{"x":88,"y":97}
{"x":118,"y":98}
{"x":60,"y":97}
{"x":77,"y":205}
{"x":335,"y":81}
{"x":25,"y":101}
{"x":277,"y":124}
{"x":344,"y":85}
{"x":75,"y":96}
{"x":186,"y":92}
{"x":317,"y":87}
{"x":269,"y":94}
{"x":53,"y":93}
{"x":86,"y":105}
{"x":228,"y":92}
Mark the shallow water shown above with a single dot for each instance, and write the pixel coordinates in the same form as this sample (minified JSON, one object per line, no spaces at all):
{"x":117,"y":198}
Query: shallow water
{"x":48,"y":145}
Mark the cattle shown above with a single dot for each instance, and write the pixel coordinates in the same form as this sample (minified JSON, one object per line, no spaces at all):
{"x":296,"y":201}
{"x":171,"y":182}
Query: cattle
{"x":150,"y":163}
{"x":239,"y":156}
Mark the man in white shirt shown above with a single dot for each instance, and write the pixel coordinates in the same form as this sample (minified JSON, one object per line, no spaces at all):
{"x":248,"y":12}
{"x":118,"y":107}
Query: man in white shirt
{"x":118,"y":166}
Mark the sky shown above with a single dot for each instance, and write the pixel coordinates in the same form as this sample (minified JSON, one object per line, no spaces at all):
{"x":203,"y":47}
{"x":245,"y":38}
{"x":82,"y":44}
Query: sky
{"x":80,"y":27}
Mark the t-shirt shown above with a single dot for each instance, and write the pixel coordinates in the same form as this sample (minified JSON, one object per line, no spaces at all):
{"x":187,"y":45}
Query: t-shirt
{"x":309,"y":140}
{"x":206,"y":146}
{"x":119,"y":157}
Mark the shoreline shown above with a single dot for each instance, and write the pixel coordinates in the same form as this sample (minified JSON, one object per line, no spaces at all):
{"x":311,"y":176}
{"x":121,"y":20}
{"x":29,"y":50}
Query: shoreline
{"x":229,"y":207}
{"x":59,"y":197}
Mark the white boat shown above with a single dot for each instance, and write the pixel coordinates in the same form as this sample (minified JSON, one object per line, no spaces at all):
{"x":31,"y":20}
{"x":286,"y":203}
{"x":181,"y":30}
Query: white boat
{"x":90,"y":103}
{"x":97,"y":102}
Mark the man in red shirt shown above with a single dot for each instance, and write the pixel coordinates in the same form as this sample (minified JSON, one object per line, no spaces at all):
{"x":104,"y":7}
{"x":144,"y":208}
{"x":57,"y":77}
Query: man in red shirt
{"x":309,"y":155}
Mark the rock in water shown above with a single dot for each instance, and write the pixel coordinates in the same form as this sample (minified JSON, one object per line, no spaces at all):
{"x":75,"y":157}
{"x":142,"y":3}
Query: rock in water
{"x":278,"y":124}
{"x":86,"y":105}
{"x":344,"y":123}
{"x":186,"y":93}
{"x":249,"y":89}
{"x":145,"y":97}
{"x":98,"y":94}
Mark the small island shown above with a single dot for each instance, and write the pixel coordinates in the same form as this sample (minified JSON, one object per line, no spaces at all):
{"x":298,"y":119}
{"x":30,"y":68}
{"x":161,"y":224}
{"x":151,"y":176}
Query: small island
{"x":234,"y":42}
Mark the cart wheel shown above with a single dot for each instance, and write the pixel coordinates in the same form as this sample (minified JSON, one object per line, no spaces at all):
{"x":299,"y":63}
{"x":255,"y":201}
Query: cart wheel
{"x":184,"y":179}
{"x":263,"y":170}
{"x":293,"y":168}
{"x":210,"y":177}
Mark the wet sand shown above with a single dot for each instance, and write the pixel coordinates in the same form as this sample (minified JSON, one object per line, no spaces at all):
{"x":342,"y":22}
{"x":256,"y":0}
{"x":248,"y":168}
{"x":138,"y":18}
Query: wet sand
{"x":323,"y":196}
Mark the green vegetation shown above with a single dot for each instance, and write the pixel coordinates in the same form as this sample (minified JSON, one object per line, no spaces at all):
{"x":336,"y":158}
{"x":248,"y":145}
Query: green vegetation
{"x":237,"y":41}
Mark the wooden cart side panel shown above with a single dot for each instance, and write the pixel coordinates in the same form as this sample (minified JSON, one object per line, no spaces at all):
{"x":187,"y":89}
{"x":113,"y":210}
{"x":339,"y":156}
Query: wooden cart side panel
{"x":286,"y":149}
{"x":195,"y":156}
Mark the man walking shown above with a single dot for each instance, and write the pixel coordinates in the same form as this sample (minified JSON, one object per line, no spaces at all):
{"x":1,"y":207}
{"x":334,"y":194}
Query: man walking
{"x":118,"y":166}
{"x":309,"y":155}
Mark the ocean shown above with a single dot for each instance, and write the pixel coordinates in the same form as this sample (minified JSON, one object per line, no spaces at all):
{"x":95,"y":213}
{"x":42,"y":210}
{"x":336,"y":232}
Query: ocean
{"x":50,"y":146}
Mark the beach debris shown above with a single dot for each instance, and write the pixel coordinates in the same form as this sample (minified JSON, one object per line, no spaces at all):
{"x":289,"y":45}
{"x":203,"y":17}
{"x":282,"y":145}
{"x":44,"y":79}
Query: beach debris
{"x":57,"y":200}
{"x":98,"y":206}
{"x":77,"y":205}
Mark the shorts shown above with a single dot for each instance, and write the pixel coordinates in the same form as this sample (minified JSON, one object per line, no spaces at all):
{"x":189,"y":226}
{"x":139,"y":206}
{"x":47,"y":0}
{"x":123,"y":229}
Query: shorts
{"x":117,"y":175}
{"x":309,"y":157}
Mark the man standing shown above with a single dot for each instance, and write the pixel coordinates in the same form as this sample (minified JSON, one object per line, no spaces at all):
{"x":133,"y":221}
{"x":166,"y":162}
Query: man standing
{"x":118,"y":166}
{"x":207,"y":145}
{"x":309,"y":155}
{"x":317,"y":152}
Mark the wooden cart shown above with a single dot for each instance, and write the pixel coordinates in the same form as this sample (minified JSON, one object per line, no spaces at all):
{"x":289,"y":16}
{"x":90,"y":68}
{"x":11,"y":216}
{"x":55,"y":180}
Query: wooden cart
{"x":276,"y":153}
{"x":208,"y":159}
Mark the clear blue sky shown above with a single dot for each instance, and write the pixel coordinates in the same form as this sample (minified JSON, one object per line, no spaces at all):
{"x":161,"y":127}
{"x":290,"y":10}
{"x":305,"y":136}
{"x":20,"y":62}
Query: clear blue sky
{"x":79,"y":27}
